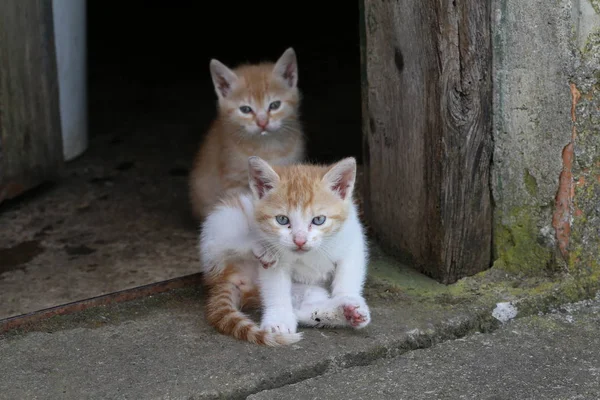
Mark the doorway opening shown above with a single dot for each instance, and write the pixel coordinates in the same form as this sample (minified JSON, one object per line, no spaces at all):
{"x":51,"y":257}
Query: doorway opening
{"x":119,"y":216}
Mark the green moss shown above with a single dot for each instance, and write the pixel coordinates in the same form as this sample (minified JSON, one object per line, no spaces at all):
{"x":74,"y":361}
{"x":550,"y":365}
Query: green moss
{"x":478,"y":294}
{"x":530,"y":183}
{"x":596,"y":5}
{"x":584,"y":250}
{"x":591,"y":44}
{"x":389,"y":277}
{"x":516,"y":245}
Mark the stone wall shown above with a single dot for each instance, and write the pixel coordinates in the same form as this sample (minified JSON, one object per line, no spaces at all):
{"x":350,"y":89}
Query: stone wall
{"x":546,"y":167}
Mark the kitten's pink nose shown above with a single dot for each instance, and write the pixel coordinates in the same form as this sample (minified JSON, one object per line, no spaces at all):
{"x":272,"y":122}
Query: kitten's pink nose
{"x":262,"y":120}
{"x":299,"y":241}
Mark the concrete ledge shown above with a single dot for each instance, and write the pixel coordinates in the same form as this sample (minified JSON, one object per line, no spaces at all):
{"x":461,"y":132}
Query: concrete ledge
{"x":160,"y":346}
{"x":553,"y":356}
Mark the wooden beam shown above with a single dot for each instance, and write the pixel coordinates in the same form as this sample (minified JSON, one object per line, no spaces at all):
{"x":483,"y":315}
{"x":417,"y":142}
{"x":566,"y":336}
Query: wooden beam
{"x":30,"y":131}
{"x":427,"y":145}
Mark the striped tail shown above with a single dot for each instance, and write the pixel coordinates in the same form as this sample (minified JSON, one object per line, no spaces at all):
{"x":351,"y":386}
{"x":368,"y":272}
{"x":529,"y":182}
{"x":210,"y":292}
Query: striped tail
{"x":223,"y":313}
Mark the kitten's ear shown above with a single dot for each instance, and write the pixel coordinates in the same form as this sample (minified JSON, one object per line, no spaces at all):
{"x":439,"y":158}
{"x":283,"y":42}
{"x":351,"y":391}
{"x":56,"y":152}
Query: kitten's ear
{"x":261,"y":176}
{"x":341,"y":177}
{"x":223,"y":78}
{"x":286,"y":68}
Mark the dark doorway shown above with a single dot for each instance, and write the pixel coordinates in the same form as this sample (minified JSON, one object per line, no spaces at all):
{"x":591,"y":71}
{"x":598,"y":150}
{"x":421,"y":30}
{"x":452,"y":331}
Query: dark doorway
{"x":153,"y":57}
{"x":118,"y":217}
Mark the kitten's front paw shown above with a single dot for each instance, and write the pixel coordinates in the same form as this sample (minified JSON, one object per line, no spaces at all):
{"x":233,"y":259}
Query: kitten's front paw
{"x":265,"y":256}
{"x":355,"y":311}
{"x":280,"y":325}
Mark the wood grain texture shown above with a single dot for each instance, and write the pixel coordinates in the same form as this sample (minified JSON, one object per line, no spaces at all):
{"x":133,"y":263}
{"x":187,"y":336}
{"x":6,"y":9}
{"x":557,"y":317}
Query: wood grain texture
{"x":427,"y":132}
{"x":30,"y":130}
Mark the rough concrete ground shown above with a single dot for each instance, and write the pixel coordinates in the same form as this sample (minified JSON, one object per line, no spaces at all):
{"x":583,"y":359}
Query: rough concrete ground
{"x":170,"y":353}
{"x":553,"y":356}
{"x":161,"y":348}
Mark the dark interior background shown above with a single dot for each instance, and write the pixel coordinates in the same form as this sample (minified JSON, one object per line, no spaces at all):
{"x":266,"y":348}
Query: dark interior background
{"x":148,"y":64}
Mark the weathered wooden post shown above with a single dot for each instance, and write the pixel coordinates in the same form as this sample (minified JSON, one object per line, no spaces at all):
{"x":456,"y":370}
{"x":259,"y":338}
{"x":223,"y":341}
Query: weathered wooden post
{"x":30,"y":130}
{"x":427,"y":101}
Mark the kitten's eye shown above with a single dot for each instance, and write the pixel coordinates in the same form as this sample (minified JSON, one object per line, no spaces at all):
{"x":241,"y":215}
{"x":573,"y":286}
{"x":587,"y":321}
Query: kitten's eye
{"x":282,"y":220}
{"x":320,"y":220}
{"x":245,"y":109}
{"x":275,"y":105}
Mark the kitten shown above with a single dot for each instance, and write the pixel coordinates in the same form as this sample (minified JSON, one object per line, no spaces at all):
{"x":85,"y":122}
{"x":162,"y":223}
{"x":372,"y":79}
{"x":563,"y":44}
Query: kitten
{"x":301,"y":223}
{"x":258,"y":114}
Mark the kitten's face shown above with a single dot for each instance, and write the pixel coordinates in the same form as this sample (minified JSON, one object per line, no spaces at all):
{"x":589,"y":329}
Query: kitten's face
{"x":259,"y":106}
{"x":260,"y":99}
{"x":301,"y":207}
{"x":300,"y":225}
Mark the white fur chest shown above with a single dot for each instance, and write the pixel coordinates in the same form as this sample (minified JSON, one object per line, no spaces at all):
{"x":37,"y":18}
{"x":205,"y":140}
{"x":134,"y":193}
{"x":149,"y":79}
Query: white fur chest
{"x":312,"y":269}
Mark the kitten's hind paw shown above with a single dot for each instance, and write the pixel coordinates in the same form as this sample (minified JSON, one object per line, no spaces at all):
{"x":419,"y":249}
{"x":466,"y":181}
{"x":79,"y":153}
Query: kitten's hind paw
{"x":356,"y":312}
{"x":355,"y":317}
{"x":341,"y":312}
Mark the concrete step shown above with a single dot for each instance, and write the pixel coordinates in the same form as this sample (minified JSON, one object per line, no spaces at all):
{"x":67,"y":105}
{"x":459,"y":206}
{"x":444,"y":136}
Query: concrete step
{"x":548,"y":357}
{"x":160,"y":347}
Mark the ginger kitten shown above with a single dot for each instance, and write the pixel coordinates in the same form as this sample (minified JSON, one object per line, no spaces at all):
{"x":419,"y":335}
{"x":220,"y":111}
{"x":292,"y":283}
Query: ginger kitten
{"x":302,"y":225}
{"x":258,"y":109}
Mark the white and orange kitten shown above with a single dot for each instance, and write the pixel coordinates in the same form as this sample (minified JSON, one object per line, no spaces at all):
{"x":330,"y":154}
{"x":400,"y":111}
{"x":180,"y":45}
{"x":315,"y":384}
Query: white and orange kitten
{"x":301,"y":223}
{"x":258,"y":114}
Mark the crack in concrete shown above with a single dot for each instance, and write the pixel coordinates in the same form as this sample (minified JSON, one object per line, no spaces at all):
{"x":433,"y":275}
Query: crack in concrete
{"x":481,"y":322}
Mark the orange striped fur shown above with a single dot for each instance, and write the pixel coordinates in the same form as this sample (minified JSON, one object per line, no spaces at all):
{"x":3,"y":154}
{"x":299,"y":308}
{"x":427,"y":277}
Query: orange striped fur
{"x":220,"y":164}
{"x":229,"y":293}
{"x":301,"y":187}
